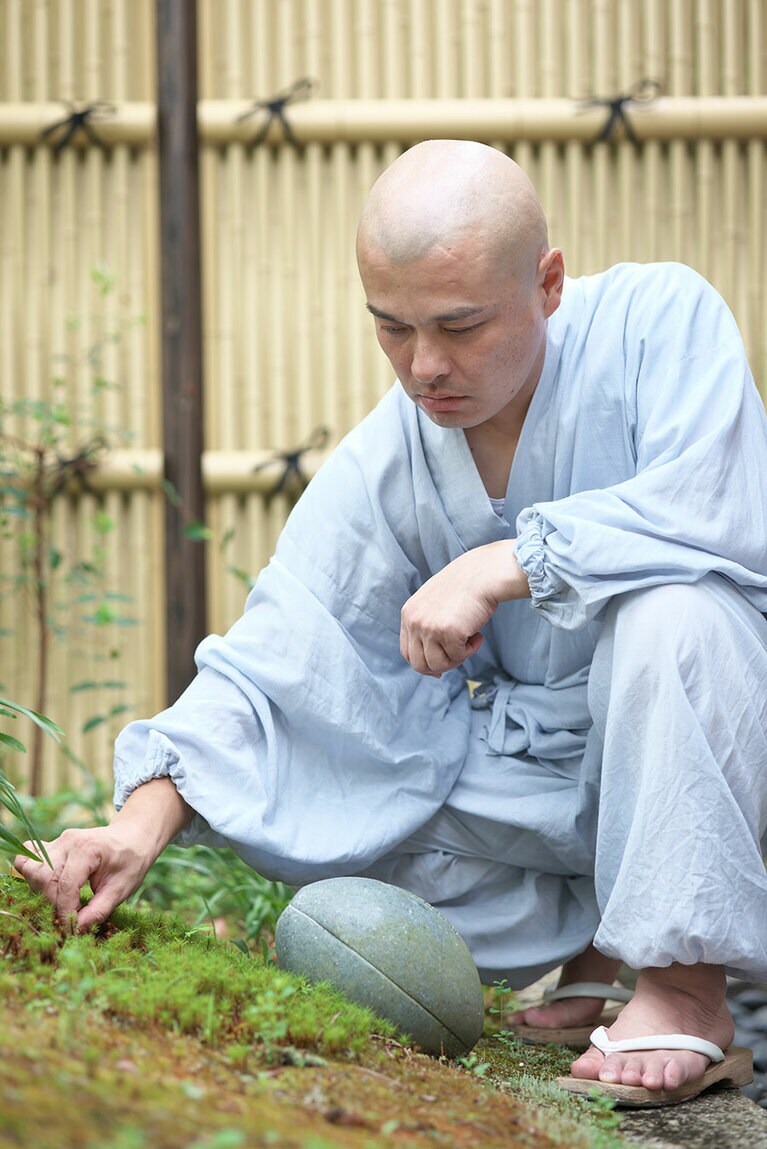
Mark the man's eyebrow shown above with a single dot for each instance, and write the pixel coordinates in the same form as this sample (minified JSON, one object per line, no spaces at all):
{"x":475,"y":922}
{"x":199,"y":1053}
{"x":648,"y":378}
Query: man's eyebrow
{"x":449,"y":316}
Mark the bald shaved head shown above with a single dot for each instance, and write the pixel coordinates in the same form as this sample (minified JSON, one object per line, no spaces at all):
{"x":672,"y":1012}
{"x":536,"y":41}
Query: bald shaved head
{"x":443,"y":191}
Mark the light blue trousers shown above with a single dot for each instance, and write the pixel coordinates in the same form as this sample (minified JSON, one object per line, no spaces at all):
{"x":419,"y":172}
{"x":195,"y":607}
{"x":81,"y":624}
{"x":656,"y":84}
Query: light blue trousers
{"x":652,"y":844}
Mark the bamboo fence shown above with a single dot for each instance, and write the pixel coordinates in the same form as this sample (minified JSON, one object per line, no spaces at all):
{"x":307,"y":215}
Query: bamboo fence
{"x":288,"y":346}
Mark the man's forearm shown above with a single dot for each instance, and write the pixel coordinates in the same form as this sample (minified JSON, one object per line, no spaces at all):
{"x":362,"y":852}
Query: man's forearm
{"x":157,"y":812}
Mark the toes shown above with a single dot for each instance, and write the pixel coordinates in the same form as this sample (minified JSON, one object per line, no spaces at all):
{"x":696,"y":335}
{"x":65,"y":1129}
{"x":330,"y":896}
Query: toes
{"x":534,"y":1017}
{"x":588,"y":1065}
{"x":673,"y":1075}
{"x":651,"y":1072}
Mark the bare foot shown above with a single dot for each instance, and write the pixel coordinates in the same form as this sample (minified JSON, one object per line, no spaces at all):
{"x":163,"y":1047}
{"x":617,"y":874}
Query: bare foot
{"x":678,"y":999}
{"x":590,"y":965}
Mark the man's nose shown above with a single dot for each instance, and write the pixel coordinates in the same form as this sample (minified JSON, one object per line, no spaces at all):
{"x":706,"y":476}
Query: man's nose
{"x":428,"y":362}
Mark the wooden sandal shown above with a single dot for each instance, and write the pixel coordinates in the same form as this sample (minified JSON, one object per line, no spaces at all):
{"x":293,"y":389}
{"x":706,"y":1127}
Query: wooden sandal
{"x":731,"y":1070}
{"x":574,"y":1036}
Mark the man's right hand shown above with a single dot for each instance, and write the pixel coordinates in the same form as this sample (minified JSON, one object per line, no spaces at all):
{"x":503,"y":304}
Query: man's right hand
{"x":114,"y":859}
{"x":114,"y":867}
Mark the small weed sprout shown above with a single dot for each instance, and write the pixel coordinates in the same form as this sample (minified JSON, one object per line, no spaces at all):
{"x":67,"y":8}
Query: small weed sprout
{"x":504,"y":1000}
{"x":603,"y":1111}
{"x":473,"y":1064}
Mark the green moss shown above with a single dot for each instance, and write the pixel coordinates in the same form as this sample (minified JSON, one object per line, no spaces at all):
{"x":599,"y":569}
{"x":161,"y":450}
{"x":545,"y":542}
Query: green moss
{"x":152,"y":969}
{"x":149,"y":1032}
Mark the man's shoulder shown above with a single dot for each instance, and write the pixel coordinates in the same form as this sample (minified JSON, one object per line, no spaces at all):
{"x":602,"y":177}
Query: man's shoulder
{"x":633,"y":278}
{"x":642,"y":295}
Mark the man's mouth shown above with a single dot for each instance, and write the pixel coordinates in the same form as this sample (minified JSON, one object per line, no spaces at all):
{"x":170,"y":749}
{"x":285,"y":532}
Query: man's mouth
{"x":440,"y":402}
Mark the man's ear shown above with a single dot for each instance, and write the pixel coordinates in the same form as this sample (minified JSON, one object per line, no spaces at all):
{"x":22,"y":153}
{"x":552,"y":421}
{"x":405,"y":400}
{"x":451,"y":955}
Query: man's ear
{"x":551,"y":277}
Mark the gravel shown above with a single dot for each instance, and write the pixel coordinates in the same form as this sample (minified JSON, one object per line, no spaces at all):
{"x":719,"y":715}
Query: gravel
{"x":748,"y":1006}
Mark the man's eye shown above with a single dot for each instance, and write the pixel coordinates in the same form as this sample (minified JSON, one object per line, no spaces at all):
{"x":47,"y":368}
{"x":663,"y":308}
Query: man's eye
{"x":462,"y":330}
{"x":391,"y":330}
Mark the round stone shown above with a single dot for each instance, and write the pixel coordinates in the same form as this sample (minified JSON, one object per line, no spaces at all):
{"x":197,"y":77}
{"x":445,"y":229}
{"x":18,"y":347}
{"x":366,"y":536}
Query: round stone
{"x":389,"y":950}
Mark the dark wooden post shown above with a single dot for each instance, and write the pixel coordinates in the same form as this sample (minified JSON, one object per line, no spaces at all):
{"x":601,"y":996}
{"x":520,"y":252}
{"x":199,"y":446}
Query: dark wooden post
{"x":181,"y":333}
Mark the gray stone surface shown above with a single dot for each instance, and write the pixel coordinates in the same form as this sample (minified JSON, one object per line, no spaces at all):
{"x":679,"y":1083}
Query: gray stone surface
{"x":719,"y":1119}
{"x":391,"y":951}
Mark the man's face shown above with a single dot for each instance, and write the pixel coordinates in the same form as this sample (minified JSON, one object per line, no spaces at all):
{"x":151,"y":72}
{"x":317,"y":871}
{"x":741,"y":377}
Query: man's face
{"x":465,"y":337}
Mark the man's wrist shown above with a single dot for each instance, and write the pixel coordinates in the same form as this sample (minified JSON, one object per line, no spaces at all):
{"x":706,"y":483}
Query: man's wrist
{"x":512,"y":578}
{"x":157,"y":811}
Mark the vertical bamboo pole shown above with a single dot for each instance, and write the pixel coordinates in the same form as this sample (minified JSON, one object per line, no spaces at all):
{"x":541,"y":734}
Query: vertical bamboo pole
{"x":63,"y":270}
{"x":524,"y":56}
{"x":123,"y":573}
{"x":420,"y":54}
{"x":277,"y":217}
{"x":653,"y":154}
{"x":35,"y":361}
{"x":211,"y":74}
{"x":444,"y":48}
{"x":734,"y":176}
{"x":577,"y":233}
{"x":182,"y":350}
{"x":16,"y":638}
{"x":473,"y":69}
{"x":342,"y":34}
{"x":368,"y":81}
{"x":74,"y":173}
{"x":363,"y":344}
{"x":680,"y":168}
{"x":207,"y":23}
{"x":12,"y":220}
{"x":498,"y":56}
{"x":757,"y":199}
{"x":150,"y":347}
{"x":602,"y":168}
{"x":37,"y":350}
{"x":550,"y":39}
{"x":382,"y":376}
{"x":392,"y":53}
{"x":628,"y":229}
{"x":498,"y":50}
{"x":706,"y":237}
{"x":230,"y":392}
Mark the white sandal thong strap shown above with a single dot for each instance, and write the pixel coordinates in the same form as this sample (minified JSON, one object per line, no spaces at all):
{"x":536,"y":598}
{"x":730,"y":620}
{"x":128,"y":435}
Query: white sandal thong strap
{"x":589,"y":989}
{"x":603,"y":1043}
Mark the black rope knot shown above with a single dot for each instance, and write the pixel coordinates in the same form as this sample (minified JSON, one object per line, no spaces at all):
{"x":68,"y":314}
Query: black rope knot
{"x":275,"y":110}
{"x":78,"y":120}
{"x":642,"y":93}
{"x":293,"y":480}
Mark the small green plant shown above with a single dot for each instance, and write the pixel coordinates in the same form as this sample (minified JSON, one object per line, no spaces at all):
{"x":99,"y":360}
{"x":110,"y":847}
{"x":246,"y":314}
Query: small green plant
{"x":504,"y":1000}
{"x":49,"y":448}
{"x":474,"y":1064}
{"x":603,"y":1112}
{"x":10,"y":842}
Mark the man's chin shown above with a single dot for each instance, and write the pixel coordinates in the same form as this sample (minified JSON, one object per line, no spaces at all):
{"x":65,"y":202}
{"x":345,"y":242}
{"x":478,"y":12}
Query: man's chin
{"x":455,"y":417}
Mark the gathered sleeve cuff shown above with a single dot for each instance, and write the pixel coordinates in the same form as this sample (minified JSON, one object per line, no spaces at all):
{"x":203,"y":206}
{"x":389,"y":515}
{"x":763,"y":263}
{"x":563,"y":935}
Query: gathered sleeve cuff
{"x":531,"y":555}
{"x":159,"y":759}
{"x":550,"y":595}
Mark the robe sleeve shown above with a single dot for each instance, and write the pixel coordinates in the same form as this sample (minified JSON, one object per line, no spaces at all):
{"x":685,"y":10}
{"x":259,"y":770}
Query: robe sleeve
{"x":697,"y":499}
{"x":254,"y":744}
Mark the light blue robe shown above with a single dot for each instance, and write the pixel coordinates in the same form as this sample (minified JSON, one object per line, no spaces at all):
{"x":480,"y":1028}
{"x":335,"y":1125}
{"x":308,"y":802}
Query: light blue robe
{"x":539,"y":813}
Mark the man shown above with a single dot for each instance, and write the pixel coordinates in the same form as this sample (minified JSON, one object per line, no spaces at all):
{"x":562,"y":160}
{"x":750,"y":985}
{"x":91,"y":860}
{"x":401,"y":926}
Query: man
{"x":600,"y":797}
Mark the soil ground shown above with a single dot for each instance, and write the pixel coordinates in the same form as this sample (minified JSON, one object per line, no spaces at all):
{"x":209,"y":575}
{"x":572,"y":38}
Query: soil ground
{"x":89,"y":1063}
